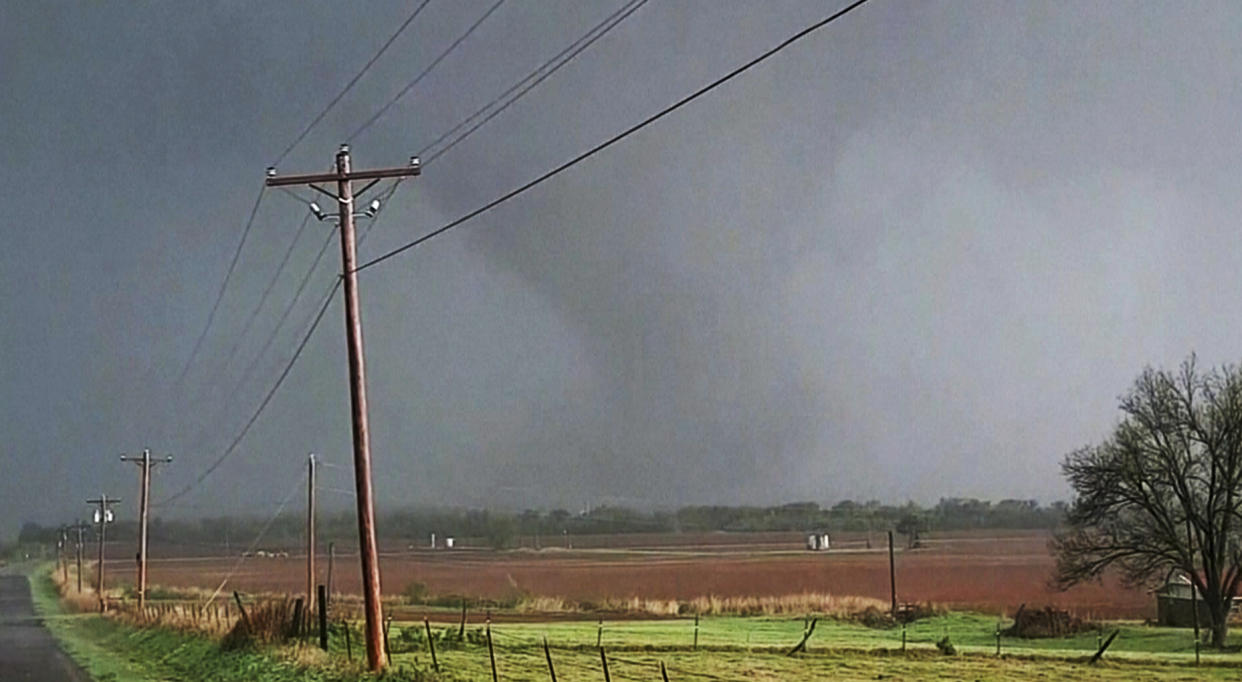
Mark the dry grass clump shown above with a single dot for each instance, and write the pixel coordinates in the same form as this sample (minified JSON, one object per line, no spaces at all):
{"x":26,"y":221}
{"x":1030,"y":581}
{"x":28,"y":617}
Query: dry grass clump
{"x":265,"y":623}
{"x":80,"y":602}
{"x":654,"y":607}
{"x":214,"y":618}
{"x":544,"y":605}
{"x":841,"y":607}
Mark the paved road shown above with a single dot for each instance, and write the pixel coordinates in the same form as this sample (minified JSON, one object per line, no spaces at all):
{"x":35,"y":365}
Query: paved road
{"x":27,"y":650}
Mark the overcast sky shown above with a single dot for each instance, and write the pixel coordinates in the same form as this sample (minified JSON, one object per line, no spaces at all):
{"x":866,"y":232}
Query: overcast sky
{"x":917,"y":254}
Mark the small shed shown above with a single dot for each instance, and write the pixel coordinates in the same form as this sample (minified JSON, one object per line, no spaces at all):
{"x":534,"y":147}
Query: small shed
{"x":1176,"y":602}
{"x":817,"y":542}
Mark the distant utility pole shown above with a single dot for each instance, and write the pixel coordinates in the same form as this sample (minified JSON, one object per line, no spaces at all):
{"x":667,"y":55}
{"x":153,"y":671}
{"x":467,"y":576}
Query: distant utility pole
{"x":344,"y":178}
{"x":79,"y":527}
{"x":892,"y":573}
{"x":103,"y":516}
{"x":61,"y":546}
{"x":145,"y":463}
{"x":310,"y":531}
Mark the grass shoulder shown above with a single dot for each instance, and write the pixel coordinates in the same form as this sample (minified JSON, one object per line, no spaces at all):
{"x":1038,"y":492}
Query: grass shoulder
{"x":113,"y":651}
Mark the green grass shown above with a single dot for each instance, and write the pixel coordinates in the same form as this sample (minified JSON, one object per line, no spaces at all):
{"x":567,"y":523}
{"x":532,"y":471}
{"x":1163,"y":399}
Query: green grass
{"x":528,"y":665}
{"x":740,"y":648}
{"x":968,"y":631}
{"x":111,"y":651}
{"x":730,"y":648}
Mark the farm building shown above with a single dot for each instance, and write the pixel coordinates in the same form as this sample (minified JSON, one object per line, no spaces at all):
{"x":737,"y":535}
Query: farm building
{"x":817,"y":542}
{"x":1176,"y":603}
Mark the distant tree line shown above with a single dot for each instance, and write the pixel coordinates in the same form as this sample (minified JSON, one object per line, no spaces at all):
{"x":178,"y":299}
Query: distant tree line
{"x":505,"y":529}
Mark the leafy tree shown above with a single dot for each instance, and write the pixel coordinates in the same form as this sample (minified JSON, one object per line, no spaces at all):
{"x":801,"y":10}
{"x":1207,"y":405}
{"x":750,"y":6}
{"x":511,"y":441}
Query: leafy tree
{"x":500,"y":532}
{"x":1164,"y":491}
{"x":910,"y":525}
{"x":33,"y":533}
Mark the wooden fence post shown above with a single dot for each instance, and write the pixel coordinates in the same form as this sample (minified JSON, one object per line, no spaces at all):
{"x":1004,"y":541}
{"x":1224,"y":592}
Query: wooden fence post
{"x":323,"y":617}
{"x":548,"y":655}
{"x":295,"y":627}
{"x":242,"y":610}
{"x":491,"y":654}
{"x":801,"y":646}
{"x":387,"y":626}
{"x":431,"y":644}
{"x":1098,"y":654}
{"x":461,"y":629}
{"x":349,"y":647}
{"x":604,"y":659}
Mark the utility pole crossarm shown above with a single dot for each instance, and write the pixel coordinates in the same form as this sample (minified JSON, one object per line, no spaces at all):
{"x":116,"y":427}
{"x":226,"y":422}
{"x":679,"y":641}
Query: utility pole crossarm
{"x":415,"y":168}
{"x":154,"y":460}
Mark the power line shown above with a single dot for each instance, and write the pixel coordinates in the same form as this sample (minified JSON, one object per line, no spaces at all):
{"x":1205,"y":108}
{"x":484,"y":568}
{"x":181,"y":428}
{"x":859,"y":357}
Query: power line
{"x":288,"y":309}
{"x":566,"y":55}
{"x":249,"y":371}
{"x":409,"y":86}
{"x":387,"y":196}
{"x":573,"y":50}
{"x":254,"y":313}
{"x":263,"y":405}
{"x":352,"y":82}
{"x":618,"y":137}
{"x":257,"y":539}
{"x":202,"y":436}
{"x":297,"y":295}
{"x":211,"y":317}
{"x":296,"y":197}
{"x":469,"y":119}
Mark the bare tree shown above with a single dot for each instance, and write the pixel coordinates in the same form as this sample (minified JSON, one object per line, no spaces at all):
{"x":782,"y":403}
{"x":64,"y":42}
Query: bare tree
{"x":1164,"y":491}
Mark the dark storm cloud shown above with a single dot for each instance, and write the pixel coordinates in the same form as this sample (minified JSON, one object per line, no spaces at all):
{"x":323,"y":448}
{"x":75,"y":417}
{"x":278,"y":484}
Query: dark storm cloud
{"x":916,"y":255}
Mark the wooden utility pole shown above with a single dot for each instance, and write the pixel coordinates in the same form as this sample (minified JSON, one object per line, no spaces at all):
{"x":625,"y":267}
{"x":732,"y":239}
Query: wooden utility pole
{"x":145,"y":463}
{"x":331,"y":562}
{"x":79,"y":527}
{"x":892,"y":573}
{"x":344,"y":178}
{"x":61,"y":554}
{"x":310,"y":529}
{"x":103,"y":516}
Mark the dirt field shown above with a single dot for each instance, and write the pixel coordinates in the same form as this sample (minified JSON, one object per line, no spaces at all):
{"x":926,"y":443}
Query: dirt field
{"x":989,"y":572}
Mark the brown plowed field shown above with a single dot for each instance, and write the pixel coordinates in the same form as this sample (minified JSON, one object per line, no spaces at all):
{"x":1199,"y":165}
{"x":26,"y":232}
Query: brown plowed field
{"x":993,"y":572}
